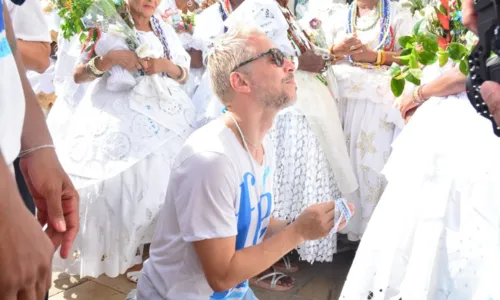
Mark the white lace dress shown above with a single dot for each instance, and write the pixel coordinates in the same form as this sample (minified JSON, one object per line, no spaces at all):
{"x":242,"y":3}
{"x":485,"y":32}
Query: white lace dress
{"x":435,"y":233}
{"x":304,"y":174}
{"x":119,"y":161}
{"x":368,"y":117}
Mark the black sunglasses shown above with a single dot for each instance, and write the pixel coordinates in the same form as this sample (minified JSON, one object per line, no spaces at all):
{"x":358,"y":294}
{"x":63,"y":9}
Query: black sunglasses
{"x":277,"y":55}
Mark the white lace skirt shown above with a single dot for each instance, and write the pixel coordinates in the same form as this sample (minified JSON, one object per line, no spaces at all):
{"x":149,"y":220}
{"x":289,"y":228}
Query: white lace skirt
{"x":303,"y":177}
{"x":118,"y":216}
{"x":370,"y":129}
{"x":435,"y":233}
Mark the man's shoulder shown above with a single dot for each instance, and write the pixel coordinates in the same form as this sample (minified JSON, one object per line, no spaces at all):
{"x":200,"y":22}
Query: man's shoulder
{"x":208,"y":144}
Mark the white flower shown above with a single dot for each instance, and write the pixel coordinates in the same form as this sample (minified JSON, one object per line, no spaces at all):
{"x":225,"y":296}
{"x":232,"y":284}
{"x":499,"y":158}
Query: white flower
{"x":116,"y":30}
{"x":430,"y":13}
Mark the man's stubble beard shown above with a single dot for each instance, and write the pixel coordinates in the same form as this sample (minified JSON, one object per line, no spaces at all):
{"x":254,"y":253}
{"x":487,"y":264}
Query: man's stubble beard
{"x":278,"y":100}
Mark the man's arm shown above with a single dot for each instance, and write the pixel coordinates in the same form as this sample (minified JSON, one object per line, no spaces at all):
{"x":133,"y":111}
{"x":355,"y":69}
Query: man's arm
{"x":225,"y":268}
{"x":35,"y":132}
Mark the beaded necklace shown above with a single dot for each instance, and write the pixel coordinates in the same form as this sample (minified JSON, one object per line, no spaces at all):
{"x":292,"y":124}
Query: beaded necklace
{"x":299,"y":39}
{"x":158,"y":31}
{"x":225,"y":10}
{"x":386,"y":36}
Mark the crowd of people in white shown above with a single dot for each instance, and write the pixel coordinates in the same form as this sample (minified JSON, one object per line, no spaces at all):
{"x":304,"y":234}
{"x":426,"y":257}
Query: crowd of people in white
{"x":229,"y":145}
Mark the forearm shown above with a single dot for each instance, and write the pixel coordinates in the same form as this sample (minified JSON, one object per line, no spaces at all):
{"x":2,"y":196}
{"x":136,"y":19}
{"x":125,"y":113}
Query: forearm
{"x":450,"y":83}
{"x":275,"y":226}
{"x":175,"y":71}
{"x":82,"y":73}
{"x":391,"y":57}
{"x":35,"y":132}
{"x":35,"y":55}
{"x":196,"y":58}
{"x":249,"y":262}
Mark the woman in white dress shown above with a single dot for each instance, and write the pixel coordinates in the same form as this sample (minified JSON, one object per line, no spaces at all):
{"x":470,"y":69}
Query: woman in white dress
{"x":365,"y":36}
{"x":120,"y":142}
{"x":434,"y":234}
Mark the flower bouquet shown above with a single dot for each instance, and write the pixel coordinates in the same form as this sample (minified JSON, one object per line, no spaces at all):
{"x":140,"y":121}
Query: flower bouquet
{"x":182,"y":22}
{"x":439,"y":36}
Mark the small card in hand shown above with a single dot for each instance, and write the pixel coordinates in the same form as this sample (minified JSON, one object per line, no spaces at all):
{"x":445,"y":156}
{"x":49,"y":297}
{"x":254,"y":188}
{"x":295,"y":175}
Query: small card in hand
{"x":344,"y":209}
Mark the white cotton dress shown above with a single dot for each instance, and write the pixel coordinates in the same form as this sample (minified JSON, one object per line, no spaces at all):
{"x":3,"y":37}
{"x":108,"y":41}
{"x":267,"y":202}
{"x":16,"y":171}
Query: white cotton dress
{"x":119,"y":160}
{"x":366,"y":108}
{"x":435,"y":233}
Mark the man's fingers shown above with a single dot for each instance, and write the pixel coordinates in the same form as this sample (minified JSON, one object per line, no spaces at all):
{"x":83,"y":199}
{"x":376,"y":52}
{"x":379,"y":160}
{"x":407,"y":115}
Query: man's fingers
{"x":490,"y":91}
{"x":469,"y":17}
{"x":54,"y":207}
{"x":70,"y":234}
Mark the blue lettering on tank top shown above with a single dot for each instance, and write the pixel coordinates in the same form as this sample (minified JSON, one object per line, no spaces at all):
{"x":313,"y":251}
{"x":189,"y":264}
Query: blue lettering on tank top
{"x":261,"y":212}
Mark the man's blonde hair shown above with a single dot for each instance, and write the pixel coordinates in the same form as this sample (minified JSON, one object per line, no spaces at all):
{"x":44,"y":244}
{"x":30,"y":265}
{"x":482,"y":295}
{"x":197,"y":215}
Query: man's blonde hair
{"x":230,"y":50}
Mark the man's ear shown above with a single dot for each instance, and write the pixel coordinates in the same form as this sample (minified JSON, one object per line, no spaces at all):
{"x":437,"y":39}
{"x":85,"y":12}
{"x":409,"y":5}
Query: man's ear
{"x":239,"y":82}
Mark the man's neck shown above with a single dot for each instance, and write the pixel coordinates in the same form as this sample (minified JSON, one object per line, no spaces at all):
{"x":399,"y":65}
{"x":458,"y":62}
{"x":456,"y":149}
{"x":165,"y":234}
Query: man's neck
{"x":254,"y":126}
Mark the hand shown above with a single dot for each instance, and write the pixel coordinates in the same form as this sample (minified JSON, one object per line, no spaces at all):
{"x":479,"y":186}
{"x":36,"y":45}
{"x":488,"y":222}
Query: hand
{"x":490,"y":91}
{"x":317,"y":220}
{"x":310,"y":62}
{"x":406,"y":105}
{"x":365,"y":54}
{"x":26,"y":252}
{"x":55,"y":197}
{"x":349,"y":46}
{"x":469,"y":16}
{"x":154,"y":65}
{"x":410,"y":114}
{"x":124,"y":58}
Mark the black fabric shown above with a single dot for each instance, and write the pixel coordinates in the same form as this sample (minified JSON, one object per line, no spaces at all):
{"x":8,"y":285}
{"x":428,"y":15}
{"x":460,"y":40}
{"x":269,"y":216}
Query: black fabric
{"x":18,"y":2}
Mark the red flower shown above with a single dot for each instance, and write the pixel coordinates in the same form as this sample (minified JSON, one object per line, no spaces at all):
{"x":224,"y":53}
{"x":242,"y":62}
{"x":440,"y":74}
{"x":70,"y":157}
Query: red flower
{"x":315,"y":23}
{"x":446,"y":5}
{"x":444,"y":20}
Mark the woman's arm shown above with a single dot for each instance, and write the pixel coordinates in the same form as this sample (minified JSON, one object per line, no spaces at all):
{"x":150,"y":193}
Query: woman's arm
{"x":35,"y":55}
{"x":196,"y":58}
{"x":450,"y":83}
{"x":83,"y":73}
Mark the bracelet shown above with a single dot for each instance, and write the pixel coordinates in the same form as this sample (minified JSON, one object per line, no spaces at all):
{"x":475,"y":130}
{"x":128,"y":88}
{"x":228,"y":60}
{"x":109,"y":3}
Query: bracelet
{"x":93,"y":69}
{"x":183,"y":74}
{"x":378,"y":62}
{"x":382,"y":55}
{"x":290,"y":222}
{"x":417,"y":96}
{"x":26,"y":152}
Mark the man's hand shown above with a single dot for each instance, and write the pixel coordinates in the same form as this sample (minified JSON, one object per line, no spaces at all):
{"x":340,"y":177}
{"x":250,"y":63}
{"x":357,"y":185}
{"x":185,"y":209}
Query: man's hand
{"x":317,"y":220}
{"x":490,"y":91}
{"x":26,"y":252}
{"x":469,"y":16}
{"x":55,"y":197}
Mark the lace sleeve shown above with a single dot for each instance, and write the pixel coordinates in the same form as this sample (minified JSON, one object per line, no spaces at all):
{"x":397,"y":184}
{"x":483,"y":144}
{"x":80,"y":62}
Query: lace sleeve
{"x":209,"y":26}
{"x":179,"y":55}
{"x":403,"y":22}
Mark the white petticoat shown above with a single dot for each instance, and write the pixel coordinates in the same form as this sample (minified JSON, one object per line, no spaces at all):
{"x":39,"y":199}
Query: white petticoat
{"x":118,"y":216}
{"x":435,"y":233}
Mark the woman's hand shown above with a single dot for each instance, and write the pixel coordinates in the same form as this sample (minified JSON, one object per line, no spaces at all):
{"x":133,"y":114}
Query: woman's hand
{"x":406,"y":105}
{"x":124,"y":58}
{"x":365,"y":54}
{"x":349,"y":46}
{"x":155,"y":65}
{"x":311,"y":62}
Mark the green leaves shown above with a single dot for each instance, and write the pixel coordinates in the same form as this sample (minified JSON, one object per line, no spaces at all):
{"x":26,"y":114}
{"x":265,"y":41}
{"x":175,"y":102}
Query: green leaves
{"x":406,"y":41}
{"x":443,"y":58}
{"x":457,"y":51}
{"x":464,"y":67}
{"x":397,"y":86}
